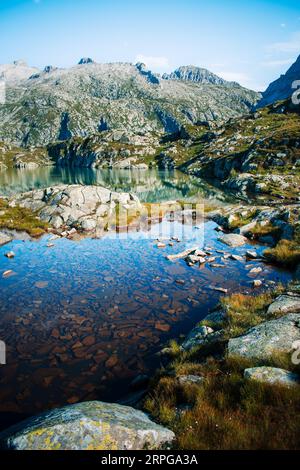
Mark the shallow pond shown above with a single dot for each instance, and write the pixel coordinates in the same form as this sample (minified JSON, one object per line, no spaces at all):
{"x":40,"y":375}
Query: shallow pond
{"x":81,"y":319}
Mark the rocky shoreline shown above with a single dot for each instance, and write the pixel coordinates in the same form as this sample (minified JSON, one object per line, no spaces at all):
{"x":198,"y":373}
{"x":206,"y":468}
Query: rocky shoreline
{"x":107,"y":426}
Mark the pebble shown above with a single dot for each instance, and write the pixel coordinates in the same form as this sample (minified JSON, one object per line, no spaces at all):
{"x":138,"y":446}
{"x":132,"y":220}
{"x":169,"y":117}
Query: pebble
{"x":257,"y":283}
{"x":236,"y":257}
{"x":7,"y":273}
{"x":251,"y":254}
{"x":255,"y":270}
{"x":219,"y":289}
{"x":41,"y":284}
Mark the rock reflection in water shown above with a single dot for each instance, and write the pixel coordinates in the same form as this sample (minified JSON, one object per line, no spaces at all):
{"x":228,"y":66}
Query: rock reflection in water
{"x":149,"y":185}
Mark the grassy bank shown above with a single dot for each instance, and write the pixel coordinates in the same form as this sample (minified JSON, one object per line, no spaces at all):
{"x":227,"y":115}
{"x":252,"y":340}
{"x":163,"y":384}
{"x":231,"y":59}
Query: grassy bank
{"x":21,"y":219}
{"x":224,"y":410}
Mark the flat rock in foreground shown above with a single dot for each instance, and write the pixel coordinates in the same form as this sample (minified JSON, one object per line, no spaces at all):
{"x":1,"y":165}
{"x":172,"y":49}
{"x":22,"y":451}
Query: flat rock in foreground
{"x":266,"y":339}
{"x":272,"y":376}
{"x":87,"y":426}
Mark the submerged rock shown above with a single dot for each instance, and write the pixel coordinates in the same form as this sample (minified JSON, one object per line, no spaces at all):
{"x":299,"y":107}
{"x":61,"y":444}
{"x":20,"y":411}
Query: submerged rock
{"x":272,"y":375}
{"x":267,"y":339}
{"x":87,"y":426}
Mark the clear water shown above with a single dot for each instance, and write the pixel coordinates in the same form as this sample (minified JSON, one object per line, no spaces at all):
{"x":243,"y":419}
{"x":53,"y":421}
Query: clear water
{"x":82,"y":319}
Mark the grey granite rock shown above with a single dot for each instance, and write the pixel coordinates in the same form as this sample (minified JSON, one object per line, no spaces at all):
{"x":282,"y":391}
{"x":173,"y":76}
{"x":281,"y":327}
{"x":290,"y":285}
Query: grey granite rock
{"x":285,"y":304}
{"x":268,"y":338}
{"x":272,"y":375}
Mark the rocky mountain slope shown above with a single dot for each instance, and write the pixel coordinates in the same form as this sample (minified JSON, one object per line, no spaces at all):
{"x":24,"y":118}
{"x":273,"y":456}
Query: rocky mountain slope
{"x":56,"y":104}
{"x":257,"y":153}
{"x":281,"y":88}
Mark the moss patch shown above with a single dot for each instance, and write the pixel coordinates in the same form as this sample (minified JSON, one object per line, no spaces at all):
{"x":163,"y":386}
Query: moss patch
{"x":21,"y":219}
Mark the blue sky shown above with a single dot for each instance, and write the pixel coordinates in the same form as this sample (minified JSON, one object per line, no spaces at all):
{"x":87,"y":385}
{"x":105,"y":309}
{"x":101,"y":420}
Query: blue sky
{"x":250,"y":42}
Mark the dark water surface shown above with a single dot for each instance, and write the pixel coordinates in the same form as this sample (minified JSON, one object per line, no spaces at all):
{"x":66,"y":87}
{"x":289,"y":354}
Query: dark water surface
{"x":82,"y":319}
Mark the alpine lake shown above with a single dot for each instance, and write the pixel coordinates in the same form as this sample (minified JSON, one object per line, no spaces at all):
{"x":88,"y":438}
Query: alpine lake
{"x":82,"y":319}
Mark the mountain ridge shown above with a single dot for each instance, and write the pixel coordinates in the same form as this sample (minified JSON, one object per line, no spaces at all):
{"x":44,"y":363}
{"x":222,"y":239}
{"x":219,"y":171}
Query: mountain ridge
{"x":81,"y":100}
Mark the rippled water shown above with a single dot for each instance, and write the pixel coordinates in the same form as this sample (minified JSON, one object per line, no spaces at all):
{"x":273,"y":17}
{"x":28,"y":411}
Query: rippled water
{"x":82,"y":319}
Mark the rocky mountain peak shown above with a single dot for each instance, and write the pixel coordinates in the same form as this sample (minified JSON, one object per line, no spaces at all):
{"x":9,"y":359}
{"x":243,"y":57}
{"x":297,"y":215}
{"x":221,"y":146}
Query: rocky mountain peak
{"x":86,"y":60}
{"x":195,"y":74}
{"x":151,"y":77}
{"x":281,"y":88}
{"x":49,"y":69}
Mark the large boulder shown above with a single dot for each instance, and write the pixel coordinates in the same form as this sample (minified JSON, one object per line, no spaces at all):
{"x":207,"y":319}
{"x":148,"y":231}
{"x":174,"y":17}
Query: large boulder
{"x":233,"y":239}
{"x":285,"y":304}
{"x":84,"y":207}
{"x":267,"y":339}
{"x":272,"y":375}
{"x":87,"y":426}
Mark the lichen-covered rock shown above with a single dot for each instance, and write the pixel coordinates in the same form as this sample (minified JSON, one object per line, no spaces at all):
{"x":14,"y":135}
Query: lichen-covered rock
{"x":190,"y":379}
{"x":87,"y":426}
{"x":233,"y":239}
{"x":285,"y":304}
{"x":262,"y":341}
{"x":216,"y":318}
{"x":272,"y":375}
{"x":201,"y":335}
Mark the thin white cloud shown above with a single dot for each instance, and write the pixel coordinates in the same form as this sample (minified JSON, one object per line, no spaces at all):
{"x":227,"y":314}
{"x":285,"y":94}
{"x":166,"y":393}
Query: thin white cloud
{"x":283,"y":25}
{"x":154,"y":62}
{"x":233,"y":76}
{"x":277,"y":63}
{"x":241,"y":78}
{"x":292,"y":45}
